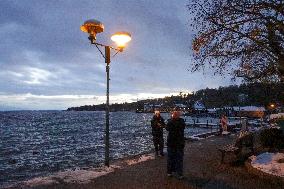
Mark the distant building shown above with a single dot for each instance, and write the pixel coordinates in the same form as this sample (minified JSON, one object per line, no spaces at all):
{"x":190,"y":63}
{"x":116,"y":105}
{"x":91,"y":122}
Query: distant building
{"x":213,"y":111}
{"x":152,"y":107}
{"x":198,"y":106}
{"x":148,"y":107}
{"x":181,"y":106}
{"x":250,"y":111}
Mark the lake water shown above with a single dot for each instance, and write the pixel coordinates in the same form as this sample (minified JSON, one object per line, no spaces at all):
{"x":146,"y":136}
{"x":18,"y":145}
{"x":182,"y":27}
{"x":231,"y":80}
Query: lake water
{"x":37,"y":143}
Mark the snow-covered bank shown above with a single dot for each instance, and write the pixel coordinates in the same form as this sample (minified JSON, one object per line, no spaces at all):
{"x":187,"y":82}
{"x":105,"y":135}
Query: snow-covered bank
{"x":83,"y":175}
{"x":271,"y":163}
{"x":140,"y":159}
{"x":276,"y":116}
{"x":71,"y":176}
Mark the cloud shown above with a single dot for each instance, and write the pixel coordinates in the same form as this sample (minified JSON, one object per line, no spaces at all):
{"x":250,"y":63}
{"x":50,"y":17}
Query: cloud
{"x":43,"y":51}
{"x":38,"y":76}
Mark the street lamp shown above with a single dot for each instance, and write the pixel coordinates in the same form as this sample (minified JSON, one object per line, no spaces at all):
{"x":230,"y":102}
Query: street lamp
{"x":272,"y":106}
{"x":93,"y":27}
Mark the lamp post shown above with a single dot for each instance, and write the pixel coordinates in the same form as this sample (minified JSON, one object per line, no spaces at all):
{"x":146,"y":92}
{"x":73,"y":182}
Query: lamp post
{"x":241,"y":99}
{"x":93,"y":27}
{"x":272,"y":106}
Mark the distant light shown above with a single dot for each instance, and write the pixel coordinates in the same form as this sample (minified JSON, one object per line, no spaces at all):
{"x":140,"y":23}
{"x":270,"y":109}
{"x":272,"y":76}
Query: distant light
{"x":272,"y":105}
{"x":121,"y":38}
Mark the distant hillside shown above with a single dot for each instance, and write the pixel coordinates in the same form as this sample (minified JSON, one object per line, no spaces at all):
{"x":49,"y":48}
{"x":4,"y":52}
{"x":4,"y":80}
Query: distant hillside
{"x":258,"y":94}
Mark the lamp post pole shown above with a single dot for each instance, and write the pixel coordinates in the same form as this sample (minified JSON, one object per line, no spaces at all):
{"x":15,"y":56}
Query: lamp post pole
{"x":107,"y":61}
{"x":93,"y":27}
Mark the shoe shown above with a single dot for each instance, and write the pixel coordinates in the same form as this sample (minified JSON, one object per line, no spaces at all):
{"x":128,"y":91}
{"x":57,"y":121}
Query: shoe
{"x":180,"y":177}
{"x":169,"y":175}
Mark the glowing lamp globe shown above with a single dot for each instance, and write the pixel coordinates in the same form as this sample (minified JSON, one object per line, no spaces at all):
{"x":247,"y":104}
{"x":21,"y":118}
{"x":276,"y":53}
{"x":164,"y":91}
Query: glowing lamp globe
{"x":121,"y":38}
{"x":92,"y":27}
{"x":272,"y":105}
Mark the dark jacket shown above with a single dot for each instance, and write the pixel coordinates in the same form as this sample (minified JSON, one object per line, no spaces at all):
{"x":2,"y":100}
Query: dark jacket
{"x":175,"y":138}
{"x":157,"y":124}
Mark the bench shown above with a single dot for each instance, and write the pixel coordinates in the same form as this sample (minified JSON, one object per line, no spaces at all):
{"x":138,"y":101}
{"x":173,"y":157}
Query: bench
{"x":245,"y":141}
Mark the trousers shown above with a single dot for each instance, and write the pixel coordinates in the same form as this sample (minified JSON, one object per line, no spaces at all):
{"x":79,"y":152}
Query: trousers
{"x":175,"y":161}
{"x":158,"y":141}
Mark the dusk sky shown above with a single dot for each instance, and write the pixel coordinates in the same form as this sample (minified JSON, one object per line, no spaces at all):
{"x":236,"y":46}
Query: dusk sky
{"x":46,"y":62}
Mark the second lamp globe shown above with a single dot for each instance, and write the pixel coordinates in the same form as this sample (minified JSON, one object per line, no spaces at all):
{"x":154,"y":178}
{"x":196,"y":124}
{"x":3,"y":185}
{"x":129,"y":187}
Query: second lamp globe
{"x":121,"y":38}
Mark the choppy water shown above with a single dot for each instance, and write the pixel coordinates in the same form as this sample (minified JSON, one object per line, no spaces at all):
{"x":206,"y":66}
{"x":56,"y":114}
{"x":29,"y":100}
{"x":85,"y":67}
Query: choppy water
{"x":36,"y":143}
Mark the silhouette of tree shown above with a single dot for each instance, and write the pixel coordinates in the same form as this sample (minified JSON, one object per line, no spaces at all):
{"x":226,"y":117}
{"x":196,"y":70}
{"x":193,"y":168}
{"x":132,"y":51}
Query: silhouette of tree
{"x":241,"y":37}
{"x":259,"y":94}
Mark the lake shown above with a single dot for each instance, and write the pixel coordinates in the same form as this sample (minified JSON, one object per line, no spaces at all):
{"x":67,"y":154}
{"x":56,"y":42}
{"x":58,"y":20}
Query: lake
{"x":38,"y":143}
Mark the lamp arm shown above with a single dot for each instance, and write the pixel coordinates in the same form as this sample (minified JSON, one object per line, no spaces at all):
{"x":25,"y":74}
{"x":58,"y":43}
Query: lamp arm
{"x":99,"y":44}
{"x":117,"y":51}
{"x":102,"y":45}
{"x":99,"y":50}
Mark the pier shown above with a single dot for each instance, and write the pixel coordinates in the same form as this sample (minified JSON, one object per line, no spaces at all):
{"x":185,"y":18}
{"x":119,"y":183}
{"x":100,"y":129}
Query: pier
{"x":206,"y":125}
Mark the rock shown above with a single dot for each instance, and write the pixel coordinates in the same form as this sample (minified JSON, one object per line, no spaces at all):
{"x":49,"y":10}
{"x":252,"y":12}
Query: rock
{"x":35,"y":152}
{"x":12,"y":161}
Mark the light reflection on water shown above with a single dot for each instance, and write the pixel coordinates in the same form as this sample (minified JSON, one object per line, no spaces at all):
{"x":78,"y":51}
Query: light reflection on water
{"x":34,"y":143}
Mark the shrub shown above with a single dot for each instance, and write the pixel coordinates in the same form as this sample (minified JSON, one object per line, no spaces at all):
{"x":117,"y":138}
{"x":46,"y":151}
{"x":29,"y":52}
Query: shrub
{"x":272,"y":138}
{"x":280,"y":123}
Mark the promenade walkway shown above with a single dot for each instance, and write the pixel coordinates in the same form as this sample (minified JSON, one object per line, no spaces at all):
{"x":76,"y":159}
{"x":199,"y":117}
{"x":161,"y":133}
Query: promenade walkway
{"x":202,"y":170}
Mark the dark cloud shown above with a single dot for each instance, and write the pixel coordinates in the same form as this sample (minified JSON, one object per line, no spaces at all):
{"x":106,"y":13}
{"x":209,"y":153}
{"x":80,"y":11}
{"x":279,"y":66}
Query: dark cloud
{"x":43,"y":51}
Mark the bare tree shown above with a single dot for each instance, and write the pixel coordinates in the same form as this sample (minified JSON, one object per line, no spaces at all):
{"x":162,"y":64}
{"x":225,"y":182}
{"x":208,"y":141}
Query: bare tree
{"x":243,"y":37}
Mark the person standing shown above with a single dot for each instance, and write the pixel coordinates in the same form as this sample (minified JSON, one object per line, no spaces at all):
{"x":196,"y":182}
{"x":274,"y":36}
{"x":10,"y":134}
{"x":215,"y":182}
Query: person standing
{"x":224,"y":123}
{"x":175,"y":143}
{"x":157,"y":124}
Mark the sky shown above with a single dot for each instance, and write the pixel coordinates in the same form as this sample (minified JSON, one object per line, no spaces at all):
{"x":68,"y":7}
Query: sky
{"x":48,"y":63}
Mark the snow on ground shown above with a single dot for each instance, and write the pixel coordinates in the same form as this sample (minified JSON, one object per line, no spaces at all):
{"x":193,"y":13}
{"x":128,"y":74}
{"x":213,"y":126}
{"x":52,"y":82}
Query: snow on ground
{"x":40,"y":181}
{"x":276,"y":116}
{"x":142,"y":158}
{"x":225,"y":133}
{"x":195,"y":138}
{"x":271,"y":163}
{"x":84,"y":176}
{"x":71,"y":176}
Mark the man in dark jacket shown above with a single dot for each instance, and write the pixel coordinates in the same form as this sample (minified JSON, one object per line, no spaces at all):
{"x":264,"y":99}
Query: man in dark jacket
{"x":157,"y":124}
{"x":175,"y":143}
